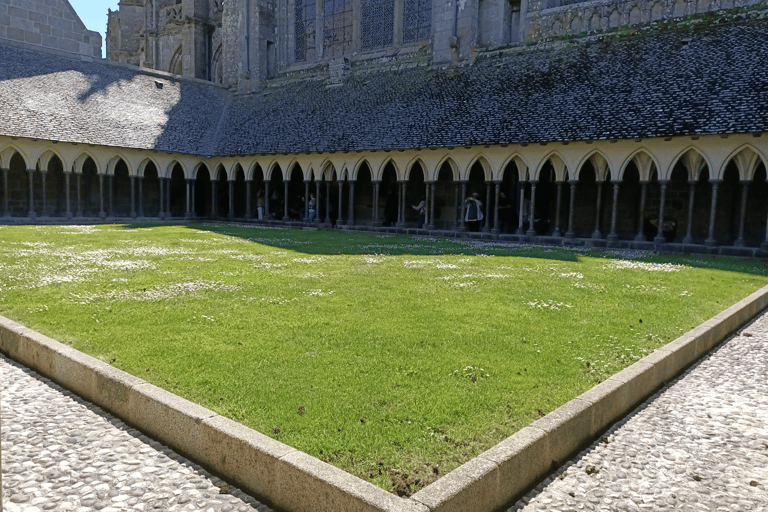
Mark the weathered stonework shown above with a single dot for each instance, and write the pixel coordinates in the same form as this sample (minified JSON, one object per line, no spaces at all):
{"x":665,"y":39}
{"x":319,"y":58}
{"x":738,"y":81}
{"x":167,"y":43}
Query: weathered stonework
{"x":51,"y":24}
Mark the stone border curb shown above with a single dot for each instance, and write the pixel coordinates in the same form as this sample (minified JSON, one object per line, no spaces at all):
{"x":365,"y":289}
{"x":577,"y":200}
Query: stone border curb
{"x":290,"y":480}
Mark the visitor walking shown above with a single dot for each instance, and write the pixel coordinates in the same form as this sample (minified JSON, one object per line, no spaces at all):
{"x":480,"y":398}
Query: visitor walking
{"x":474,"y":213}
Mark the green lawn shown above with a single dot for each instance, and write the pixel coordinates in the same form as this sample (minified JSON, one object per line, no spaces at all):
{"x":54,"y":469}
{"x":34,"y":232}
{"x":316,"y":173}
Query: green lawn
{"x":383,"y":355}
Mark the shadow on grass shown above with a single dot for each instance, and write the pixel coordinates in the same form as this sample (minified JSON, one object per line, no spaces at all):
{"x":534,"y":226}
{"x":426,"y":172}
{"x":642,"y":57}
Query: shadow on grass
{"x":313,"y":241}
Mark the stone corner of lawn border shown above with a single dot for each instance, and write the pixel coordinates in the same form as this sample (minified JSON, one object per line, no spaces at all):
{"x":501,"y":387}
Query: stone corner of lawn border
{"x":293,"y":481}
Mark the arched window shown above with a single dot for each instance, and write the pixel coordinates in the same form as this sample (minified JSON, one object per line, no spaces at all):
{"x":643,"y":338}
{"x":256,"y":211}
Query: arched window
{"x":417,"y":20}
{"x":378,"y":20}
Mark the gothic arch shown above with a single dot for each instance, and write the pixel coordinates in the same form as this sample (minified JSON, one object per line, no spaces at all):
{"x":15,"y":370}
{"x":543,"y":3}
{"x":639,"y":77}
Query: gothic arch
{"x":143,"y":165}
{"x":668,"y":172}
{"x":356,"y":167}
{"x":640,"y":154}
{"x":535,"y":174}
{"x":114,"y":161}
{"x":45,"y":157}
{"x":487,"y":171}
{"x":217,"y":67}
{"x":409,"y":168}
{"x":520,"y":163}
{"x":745,"y":161}
{"x":452,"y":163}
{"x":7,"y":154}
{"x":171,"y":166}
{"x":380,"y":171}
{"x":77,"y":165}
{"x":175,"y":66}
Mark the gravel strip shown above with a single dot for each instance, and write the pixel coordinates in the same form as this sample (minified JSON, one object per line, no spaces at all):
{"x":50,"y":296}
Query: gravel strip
{"x":62,"y":453}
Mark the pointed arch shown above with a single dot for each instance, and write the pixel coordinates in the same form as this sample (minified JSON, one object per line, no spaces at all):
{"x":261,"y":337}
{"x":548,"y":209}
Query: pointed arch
{"x":271,"y":168}
{"x":600,"y":163}
{"x":645,"y":162}
{"x":747,"y":158}
{"x":7,"y":154}
{"x":447,"y":159}
{"x":691,"y":159}
{"x":77,"y":165}
{"x":487,"y":171}
{"x":378,"y":174}
{"x":114,"y":161}
{"x":520,"y":164}
{"x":143,"y":166}
{"x":556,"y":159}
{"x":251,"y":170}
{"x":172,"y":165}
{"x":175,"y":66}
{"x":409,"y":167}
{"x":45,"y":157}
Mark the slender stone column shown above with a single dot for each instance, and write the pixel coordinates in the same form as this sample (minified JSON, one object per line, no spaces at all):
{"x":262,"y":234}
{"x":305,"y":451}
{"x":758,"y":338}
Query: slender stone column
{"x":102,"y":213}
{"x":188,"y":205}
{"x":351,"y":218}
{"x":111,"y":196}
{"x":266,"y":198}
{"x":79,"y":196}
{"x":43,"y":210}
{"x":613,"y":236}
{"x":744,"y":188}
{"x":496,"y":230}
{"x":31,"y":213}
{"x":596,"y":233}
{"x":285,"y":200}
{"x":248,"y":210}
{"x":462,"y":225}
{"x":376,"y":185}
{"x":660,"y":239}
{"x":531,"y":231}
{"x":193,"y":202}
{"x":432,"y":187}
{"x":231,"y":213}
{"x":640,"y":237}
{"x":317,"y":202}
{"x":328,"y":203}
{"x":400,"y":203}
{"x":140,"y":179}
{"x":688,"y":238}
{"x":711,"y":241}
{"x":306,"y":201}
{"x":339,"y":216}
{"x":6,"y":210}
{"x":571,"y":233}
{"x":456,"y":209}
{"x":161,"y":183}
{"x":521,"y":210}
{"x":167,"y":198}
{"x":764,"y":245}
{"x":487,"y":227}
{"x":67,"y":211}
{"x":133,"y":197}
{"x":559,"y":202}
{"x":214,"y":201}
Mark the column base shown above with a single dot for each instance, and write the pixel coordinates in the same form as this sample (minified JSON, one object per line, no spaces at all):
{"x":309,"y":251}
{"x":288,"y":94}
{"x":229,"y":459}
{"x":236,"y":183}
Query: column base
{"x":530,"y":233}
{"x":710,"y":242}
{"x":486,"y":230}
{"x":102,"y":215}
{"x":430,"y":227}
{"x":570,"y":234}
{"x":494,"y":231}
{"x":596,"y":235}
{"x":32,"y":215}
{"x":640,"y":238}
{"x":687,"y":240}
{"x":739,"y":243}
{"x":659,"y":240}
{"x":556,"y":233}
{"x":519,"y":231}
{"x":613,"y":237}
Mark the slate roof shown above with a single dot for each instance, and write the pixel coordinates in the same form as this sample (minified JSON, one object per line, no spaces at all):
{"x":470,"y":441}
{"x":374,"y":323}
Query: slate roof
{"x":704,"y":80}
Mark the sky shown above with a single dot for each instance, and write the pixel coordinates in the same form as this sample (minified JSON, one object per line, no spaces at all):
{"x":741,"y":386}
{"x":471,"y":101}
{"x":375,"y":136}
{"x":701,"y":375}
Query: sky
{"x":94,"y":15}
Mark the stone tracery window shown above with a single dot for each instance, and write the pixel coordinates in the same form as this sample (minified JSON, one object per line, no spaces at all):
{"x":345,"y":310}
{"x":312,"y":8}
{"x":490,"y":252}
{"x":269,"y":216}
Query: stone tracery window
{"x":304,"y":29}
{"x":378,"y":22}
{"x":417,"y":20}
{"x":337,"y":27}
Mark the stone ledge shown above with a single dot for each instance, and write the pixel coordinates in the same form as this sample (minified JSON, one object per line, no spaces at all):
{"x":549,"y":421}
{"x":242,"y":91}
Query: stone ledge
{"x":294,"y":481}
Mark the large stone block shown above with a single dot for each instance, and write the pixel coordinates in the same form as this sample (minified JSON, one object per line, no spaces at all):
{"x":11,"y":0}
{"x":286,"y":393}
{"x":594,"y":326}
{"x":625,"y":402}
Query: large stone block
{"x":248,"y":458}
{"x":474,"y":485}
{"x":568,"y":428}
{"x":307,"y":484}
{"x":522,"y":460}
{"x":170,"y":419}
{"x":641,"y":380}
{"x":608,"y":401}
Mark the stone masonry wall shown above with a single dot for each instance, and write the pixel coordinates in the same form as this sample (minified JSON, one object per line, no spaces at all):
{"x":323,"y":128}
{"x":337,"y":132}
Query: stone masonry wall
{"x":549,"y":18}
{"x":48,"y":23}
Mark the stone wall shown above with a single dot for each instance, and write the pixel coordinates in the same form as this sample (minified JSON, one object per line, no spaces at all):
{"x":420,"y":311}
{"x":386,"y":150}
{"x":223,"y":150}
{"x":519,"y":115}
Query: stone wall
{"x":551,"y":18}
{"x":48,"y":23}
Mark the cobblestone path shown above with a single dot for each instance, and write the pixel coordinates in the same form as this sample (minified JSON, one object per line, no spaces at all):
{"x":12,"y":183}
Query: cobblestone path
{"x":700,"y":444}
{"x":62,"y":453}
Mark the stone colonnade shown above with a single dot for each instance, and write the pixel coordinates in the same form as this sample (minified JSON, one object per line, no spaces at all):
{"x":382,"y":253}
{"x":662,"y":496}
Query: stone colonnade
{"x":708,"y":191}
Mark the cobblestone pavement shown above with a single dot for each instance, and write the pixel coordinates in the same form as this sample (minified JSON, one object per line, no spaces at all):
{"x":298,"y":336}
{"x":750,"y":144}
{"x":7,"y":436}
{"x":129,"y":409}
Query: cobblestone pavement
{"x":62,"y":453}
{"x":699,"y":444}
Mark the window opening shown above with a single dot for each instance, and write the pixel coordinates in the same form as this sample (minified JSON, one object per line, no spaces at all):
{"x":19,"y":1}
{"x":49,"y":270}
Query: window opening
{"x":305,"y":14}
{"x":417,"y":20}
{"x":378,"y":23}
{"x":337,"y":27}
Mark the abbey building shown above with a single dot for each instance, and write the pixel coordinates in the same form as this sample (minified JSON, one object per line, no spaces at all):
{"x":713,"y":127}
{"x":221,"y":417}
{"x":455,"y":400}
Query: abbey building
{"x":608,"y":123}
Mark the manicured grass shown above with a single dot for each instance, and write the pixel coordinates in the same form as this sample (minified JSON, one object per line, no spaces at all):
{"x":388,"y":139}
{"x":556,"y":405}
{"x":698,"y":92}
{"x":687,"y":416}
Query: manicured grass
{"x":383,"y":355}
